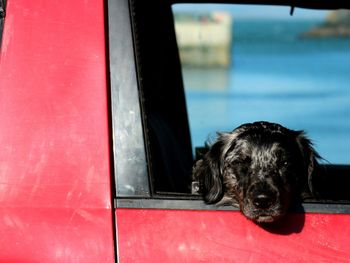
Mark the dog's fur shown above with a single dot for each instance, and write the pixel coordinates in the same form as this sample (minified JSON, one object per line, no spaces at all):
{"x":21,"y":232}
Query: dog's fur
{"x":260,"y":167}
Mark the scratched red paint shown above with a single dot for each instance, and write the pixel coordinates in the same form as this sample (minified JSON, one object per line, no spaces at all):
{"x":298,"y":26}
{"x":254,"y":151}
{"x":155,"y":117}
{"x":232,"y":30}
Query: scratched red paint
{"x":225,"y":236}
{"x":55,"y":198}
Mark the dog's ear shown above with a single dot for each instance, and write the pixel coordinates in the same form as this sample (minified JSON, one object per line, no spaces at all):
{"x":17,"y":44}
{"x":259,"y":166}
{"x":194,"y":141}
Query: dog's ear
{"x":309,"y":156}
{"x":208,"y":172}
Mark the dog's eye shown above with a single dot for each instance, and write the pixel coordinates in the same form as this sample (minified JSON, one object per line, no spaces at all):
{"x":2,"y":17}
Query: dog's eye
{"x":285,"y":164}
{"x":246,"y":160}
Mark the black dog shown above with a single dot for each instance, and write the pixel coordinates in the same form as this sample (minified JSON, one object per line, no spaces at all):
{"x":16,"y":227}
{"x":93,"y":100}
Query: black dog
{"x":259,"y":166}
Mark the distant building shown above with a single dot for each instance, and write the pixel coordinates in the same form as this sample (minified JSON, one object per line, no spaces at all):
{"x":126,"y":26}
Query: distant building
{"x":204,"y":39}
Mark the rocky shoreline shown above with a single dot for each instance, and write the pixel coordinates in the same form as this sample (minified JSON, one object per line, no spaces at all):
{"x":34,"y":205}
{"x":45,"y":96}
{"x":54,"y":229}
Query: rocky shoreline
{"x":337,"y":24}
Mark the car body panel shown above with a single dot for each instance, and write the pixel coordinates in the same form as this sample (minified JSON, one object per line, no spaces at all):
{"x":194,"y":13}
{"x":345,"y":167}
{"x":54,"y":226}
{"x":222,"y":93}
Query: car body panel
{"x":149,"y":235}
{"x":55,"y":186}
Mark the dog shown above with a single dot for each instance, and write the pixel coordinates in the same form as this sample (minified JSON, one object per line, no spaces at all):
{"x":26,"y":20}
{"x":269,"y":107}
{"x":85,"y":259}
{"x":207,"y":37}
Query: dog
{"x":259,"y":167}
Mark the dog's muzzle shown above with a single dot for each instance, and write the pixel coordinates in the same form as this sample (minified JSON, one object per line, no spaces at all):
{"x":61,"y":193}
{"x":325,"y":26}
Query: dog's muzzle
{"x":263,"y":203}
{"x":263,"y":200}
{"x":262,"y":196}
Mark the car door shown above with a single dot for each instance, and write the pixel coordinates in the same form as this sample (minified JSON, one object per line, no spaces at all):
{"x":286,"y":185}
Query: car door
{"x":158,"y":219}
{"x":55,"y":186}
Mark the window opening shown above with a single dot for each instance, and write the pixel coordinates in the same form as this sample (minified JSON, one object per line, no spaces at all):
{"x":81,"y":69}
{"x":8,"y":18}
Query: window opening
{"x":259,"y":64}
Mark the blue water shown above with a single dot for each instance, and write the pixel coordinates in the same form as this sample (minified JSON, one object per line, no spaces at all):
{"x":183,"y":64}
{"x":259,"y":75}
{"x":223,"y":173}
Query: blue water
{"x":278,"y":76}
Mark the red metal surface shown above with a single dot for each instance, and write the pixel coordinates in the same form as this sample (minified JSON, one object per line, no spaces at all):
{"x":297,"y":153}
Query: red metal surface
{"x":225,"y":236}
{"x":55,"y":199}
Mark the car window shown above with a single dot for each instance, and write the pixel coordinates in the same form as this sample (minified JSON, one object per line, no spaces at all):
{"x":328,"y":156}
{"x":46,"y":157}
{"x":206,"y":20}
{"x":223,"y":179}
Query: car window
{"x":247,"y":63}
{"x":196,"y":69}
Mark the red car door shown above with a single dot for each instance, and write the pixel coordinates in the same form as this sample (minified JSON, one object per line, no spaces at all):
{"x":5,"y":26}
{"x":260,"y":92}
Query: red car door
{"x":157,"y":219}
{"x":55,"y":187}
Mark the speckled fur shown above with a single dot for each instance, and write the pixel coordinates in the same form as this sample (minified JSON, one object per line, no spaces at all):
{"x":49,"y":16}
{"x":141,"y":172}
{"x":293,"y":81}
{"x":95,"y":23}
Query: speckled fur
{"x":254,"y":159}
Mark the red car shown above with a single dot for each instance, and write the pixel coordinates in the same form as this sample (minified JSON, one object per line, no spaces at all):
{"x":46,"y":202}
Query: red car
{"x":96,"y":154}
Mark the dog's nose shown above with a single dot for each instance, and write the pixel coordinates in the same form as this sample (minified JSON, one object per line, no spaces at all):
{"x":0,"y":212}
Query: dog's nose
{"x":263,"y":201}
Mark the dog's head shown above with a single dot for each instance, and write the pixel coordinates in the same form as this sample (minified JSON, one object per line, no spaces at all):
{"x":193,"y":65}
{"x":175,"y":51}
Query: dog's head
{"x":261,"y":166}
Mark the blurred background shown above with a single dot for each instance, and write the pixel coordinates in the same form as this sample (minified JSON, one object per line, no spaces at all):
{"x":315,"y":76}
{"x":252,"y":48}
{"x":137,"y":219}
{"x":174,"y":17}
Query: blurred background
{"x":248,"y":63}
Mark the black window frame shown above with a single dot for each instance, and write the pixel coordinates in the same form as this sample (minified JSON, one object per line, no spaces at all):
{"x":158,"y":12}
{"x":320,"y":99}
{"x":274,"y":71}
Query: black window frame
{"x":2,"y":18}
{"x":133,"y":163}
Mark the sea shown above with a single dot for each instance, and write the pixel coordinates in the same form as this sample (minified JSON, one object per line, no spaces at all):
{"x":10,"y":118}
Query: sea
{"x":277,"y":75}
